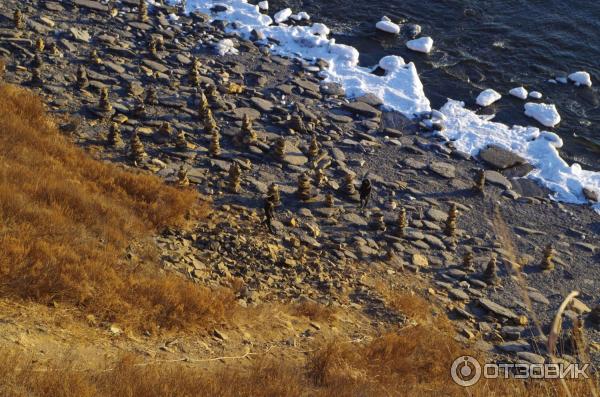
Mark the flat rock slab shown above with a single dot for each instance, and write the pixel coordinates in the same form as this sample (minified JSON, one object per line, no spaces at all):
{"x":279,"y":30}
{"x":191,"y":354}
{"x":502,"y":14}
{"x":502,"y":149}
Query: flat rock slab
{"x":262,"y":104}
{"x":252,"y":114}
{"x":362,"y":109}
{"x":80,"y":35}
{"x":443,"y":169}
{"x":91,"y":5}
{"x":157,"y":66}
{"x":496,"y":178}
{"x":355,"y":219}
{"x":497,"y":309}
{"x":514,"y":347}
{"x":529,"y":188}
{"x":437,"y":215}
{"x":500,"y":158}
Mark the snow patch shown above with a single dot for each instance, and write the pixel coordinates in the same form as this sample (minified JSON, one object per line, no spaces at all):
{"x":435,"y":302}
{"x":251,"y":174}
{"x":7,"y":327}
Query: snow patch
{"x":535,"y":95}
{"x":226,"y":46}
{"x":282,"y":15}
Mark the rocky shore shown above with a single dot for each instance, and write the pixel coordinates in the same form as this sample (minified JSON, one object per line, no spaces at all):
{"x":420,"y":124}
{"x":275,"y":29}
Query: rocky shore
{"x":147,"y":88}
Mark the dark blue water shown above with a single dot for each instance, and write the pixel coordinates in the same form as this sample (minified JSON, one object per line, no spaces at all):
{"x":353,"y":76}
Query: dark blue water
{"x":480,"y":44}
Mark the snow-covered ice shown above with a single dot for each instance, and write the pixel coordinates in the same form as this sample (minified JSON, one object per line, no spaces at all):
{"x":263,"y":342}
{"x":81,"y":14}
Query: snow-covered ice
{"x":422,"y":44}
{"x":282,"y":15}
{"x":535,"y":95}
{"x":386,"y":25}
{"x":519,"y":92}
{"x":487,"y":97}
{"x":544,"y":113}
{"x":581,"y":78}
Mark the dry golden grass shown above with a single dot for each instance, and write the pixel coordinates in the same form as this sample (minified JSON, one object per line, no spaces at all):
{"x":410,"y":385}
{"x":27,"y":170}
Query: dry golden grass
{"x":66,"y":221}
{"x":415,"y":361}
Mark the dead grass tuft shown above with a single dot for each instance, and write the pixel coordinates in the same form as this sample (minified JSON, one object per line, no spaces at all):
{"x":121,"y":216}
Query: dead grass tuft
{"x":66,"y":221}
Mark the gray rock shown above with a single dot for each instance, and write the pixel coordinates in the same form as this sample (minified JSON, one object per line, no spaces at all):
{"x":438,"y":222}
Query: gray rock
{"x":500,"y":158}
{"x":496,"y":178}
{"x":497,"y":309}
{"x":362,"y":109}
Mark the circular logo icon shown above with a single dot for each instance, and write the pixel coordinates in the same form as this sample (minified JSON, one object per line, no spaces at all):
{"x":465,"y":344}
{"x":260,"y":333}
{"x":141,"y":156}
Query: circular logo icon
{"x":466,"y":371}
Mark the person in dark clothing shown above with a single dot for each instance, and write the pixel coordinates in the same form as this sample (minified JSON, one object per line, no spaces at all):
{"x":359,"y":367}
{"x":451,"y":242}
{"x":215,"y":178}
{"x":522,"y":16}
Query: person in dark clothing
{"x":269,"y":209}
{"x":365,"y":192}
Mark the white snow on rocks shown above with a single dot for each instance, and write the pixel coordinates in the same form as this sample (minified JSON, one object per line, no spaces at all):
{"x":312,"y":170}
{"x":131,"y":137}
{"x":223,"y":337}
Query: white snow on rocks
{"x":581,"y":78}
{"x":422,"y":44}
{"x":226,"y":46}
{"x":546,"y":114}
{"x":519,"y":92}
{"x":282,"y":15}
{"x":535,"y":95}
{"x":470,"y":133}
{"x":400,"y":88}
{"x":391,"y":62}
{"x":386,"y":25}
{"x":301,"y":16}
{"x":487,"y":97}
{"x":263,"y":5}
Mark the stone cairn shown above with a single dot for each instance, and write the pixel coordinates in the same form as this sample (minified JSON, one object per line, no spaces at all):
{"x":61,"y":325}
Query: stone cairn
{"x":378,"y":222}
{"x":210,"y":124}
{"x":18,"y":20}
{"x":40,"y":45}
{"x":151,"y":96}
{"x":280,"y":148}
{"x":139,"y":110}
{"x":82,"y":79}
{"x":234,"y":181}
{"x":215,"y":144}
{"x":164,"y":133}
{"x":297,"y":124}
{"x":180,"y":141}
{"x":303,"y":191}
{"x":95,"y":58}
{"x":548,"y":259}
{"x":37,"y":62}
{"x":36,"y":77}
{"x":142,"y":11}
{"x":114,"y":135}
{"x":468,"y":263}
{"x":194,"y":76}
{"x":402,"y":222}
{"x":348,"y":187}
{"x":480,"y":182}
{"x":450,"y":229}
{"x":203,"y":107}
{"x":319,"y":177}
{"x":329,"y":200}
{"x":182,"y":176}
{"x":212,"y":94}
{"x":53,"y":49}
{"x":248,"y":135}
{"x":153,"y":47}
{"x":313,"y":149}
{"x":137,"y":149}
{"x":104,"y":103}
{"x":490,"y":274}
{"x":274,"y":194}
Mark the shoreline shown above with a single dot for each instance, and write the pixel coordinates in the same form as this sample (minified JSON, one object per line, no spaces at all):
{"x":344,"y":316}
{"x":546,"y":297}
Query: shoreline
{"x":403,"y":92}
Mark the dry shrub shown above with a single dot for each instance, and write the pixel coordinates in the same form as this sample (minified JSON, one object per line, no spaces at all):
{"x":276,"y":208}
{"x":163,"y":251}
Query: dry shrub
{"x":313,"y":310}
{"x":66,"y":221}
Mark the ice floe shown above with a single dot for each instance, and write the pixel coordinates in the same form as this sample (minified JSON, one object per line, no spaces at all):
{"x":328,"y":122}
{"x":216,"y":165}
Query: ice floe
{"x":535,"y":95}
{"x":519,"y":92}
{"x":487,"y":97}
{"x":422,"y":44}
{"x":386,"y":25}
{"x":581,"y":78}
{"x":546,"y":114}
